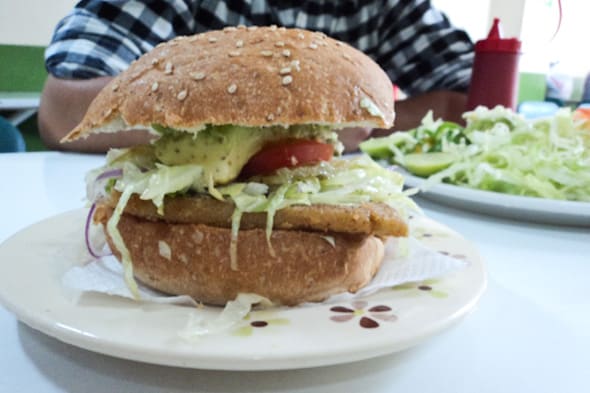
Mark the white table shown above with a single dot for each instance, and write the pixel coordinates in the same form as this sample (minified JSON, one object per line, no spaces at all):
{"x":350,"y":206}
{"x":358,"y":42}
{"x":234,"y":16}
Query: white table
{"x":530,"y":332}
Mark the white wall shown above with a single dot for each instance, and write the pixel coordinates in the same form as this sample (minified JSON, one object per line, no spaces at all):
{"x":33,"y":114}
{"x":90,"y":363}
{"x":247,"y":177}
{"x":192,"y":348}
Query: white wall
{"x":30,"y":22}
{"x":510,"y":13}
{"x":475,"y":16}
{"x":472,"y":16}
{"x":544,"y":44}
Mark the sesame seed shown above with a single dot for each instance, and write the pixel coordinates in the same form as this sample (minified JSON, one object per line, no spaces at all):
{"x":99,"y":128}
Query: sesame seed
{"x":282,"y":28}
{"x":164,"y":249}
{"x":295,"y":64}
{"x":252,"y":28}
{"x":313,"y":45}
{"x":338,"y":43}
{"x":197,"y":75}
{"x":230,"y":28}
{"x":115,"y":87}
{"x":285,"y":70}
{"x":266,"y":53}
{"x":193,"y":38}
{"x":231,"y":89}
{"x":347,"y":57}
{"x":155,"y":61}
{"x":182,"y":95}
{"x":239,"y":44}
{"x":270,"y":117}
{"x":287,"y":80}
{"x":168,"y":69}
{"x":286,"y":53}
{"x":279,"y":44}
{"x":242,"y":27}
{"x":212,"y":39}
{"x":155,"y":86}
{"x":301,"y":36}
{"x":234,"y":53}
{"x":273,"y":27}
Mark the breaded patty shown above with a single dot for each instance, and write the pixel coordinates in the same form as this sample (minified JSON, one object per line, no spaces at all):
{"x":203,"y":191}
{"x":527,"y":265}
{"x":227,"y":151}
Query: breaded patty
{"x":369,"y":218}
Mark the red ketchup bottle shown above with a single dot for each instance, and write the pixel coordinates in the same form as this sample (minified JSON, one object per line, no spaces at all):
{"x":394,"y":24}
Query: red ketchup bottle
{"x":494,"y":79}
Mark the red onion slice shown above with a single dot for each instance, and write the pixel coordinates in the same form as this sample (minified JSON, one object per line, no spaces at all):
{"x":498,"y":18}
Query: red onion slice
{"x":110,"y":174}
{"x":87,"y":234}
{"x":96,"y":188}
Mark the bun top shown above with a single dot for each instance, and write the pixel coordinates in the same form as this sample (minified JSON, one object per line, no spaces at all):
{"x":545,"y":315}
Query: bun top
{"x":255,"y":76}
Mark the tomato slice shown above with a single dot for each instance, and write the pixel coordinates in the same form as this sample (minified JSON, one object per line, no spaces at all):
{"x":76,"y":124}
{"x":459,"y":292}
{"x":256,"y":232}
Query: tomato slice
{"x":289,"y":153}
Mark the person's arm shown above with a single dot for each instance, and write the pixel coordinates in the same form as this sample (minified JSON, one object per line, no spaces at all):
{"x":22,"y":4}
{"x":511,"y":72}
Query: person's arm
{"x":447,"y":105}
{"x":63,"y":104}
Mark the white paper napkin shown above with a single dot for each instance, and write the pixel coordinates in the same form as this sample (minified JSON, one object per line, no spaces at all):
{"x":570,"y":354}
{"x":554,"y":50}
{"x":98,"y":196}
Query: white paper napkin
{"x":405,"y":261}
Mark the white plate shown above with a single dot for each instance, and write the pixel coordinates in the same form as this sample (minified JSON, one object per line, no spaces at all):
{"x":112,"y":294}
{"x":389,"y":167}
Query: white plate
{"x":33,"y":261}
{"x":549,"y":211}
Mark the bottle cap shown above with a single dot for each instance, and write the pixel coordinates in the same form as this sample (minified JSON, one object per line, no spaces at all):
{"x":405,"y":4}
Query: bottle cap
{"x":495,"y":43}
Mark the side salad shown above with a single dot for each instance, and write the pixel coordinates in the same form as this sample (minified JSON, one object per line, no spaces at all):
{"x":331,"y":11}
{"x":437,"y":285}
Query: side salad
{"x":497,"y":150}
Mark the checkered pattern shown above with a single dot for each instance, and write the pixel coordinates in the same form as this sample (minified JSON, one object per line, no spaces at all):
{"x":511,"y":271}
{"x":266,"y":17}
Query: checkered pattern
{"x":413,"y":42}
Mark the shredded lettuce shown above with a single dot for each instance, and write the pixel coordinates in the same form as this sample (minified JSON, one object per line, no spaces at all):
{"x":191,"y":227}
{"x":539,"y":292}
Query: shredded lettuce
{"x":341,"y":181}
{"x":233,"y":313}
{"x":498,"y":150}
{"x":233,"y":246}
{"x":160,"y":181}
{"x":169,"y":179}
{"x":120,"y":243}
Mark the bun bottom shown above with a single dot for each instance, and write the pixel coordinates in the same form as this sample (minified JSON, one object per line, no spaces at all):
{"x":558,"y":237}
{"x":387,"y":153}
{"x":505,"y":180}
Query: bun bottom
{"x":194,"y":260}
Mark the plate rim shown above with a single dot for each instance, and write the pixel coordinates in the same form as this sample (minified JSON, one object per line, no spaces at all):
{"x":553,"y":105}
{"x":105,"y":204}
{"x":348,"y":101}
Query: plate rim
{"x":47,"y":325}
{"x":576,"y":210}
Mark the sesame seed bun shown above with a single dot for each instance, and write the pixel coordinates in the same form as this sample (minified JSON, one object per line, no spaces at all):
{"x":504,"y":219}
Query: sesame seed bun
{"x":256,"y":76}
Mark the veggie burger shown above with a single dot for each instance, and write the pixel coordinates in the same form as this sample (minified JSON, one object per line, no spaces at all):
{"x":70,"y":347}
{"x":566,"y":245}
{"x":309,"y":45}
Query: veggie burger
{"x":241,"y":189}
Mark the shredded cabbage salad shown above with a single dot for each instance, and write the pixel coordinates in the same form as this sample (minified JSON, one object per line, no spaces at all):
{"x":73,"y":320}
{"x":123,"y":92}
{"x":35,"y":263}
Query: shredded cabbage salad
{"x":498,"y":150}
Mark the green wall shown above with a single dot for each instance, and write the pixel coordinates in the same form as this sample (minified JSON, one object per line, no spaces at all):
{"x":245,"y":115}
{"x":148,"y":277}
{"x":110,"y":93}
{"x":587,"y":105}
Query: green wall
{"x":22,"y":69}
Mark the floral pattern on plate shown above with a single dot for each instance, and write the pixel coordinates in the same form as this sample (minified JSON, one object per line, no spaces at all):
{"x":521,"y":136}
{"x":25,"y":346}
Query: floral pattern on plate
{"x":368,"y":316}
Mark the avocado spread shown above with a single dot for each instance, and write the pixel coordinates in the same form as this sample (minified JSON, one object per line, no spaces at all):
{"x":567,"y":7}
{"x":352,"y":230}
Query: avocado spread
{"x":223,"y":151}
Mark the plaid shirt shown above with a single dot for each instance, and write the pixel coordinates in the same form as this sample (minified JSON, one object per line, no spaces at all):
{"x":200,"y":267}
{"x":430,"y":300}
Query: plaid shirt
{"x":413,"y":42}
